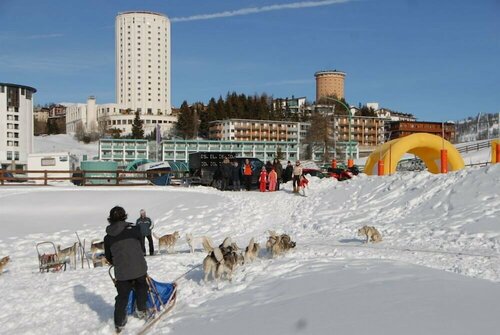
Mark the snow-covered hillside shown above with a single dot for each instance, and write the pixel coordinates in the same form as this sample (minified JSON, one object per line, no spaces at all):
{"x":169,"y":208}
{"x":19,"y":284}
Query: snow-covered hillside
{"x":64,"y":143}
{"x":436,"y":271}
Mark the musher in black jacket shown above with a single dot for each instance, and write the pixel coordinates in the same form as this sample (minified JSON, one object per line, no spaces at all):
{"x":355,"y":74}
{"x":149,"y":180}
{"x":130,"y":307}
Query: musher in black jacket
{"x":123,"y":249}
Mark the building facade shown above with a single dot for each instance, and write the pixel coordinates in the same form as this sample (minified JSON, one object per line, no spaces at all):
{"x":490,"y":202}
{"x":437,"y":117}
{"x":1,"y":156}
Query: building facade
{"x":115,"y":116}
{"x":257,"y":130}
{"x":143,"y":62}
{"x":85,"y":114}
{"x":329,"y":83}
{"x":179,"y":150}
{"x":399,"y":129}
{"x":123,"y":151}
{"x":16,"y":125}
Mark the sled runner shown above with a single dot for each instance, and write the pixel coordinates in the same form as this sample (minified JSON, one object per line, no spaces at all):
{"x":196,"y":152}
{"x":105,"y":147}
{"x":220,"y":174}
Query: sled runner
{"x":161,"y":300}
{"x":49,"y":260}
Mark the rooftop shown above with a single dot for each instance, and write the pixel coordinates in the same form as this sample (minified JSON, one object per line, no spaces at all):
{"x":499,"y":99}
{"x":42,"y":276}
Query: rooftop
{"x":32,"y":89}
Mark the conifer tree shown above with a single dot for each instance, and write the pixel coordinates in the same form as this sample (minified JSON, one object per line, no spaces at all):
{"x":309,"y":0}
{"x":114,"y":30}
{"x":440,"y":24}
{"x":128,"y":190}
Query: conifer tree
{"x":137,"y":127}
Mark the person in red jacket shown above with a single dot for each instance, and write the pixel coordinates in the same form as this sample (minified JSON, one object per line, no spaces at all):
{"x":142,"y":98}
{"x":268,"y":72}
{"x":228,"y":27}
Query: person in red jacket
{"x":263,"y":179}
{"x":273,"y":179}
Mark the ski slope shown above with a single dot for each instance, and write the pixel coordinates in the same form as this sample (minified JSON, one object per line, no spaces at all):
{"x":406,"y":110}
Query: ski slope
{"x":437,"y":270}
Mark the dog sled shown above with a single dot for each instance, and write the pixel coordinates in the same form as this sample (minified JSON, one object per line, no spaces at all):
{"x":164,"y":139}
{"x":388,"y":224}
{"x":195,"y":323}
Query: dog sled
{"x":161,"y":300}
{"x":48,"y":258}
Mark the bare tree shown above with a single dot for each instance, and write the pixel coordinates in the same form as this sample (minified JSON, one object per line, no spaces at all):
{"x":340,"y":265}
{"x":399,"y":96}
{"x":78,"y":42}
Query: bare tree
{"x":79,"y":131}
{"x":320,"y":133}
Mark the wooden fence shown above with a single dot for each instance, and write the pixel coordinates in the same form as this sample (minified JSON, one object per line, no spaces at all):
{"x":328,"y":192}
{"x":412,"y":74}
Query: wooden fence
{"x":83,"y":178}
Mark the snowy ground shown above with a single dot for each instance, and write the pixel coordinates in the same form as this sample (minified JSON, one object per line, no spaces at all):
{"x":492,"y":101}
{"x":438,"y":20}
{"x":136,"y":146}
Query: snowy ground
{"x":437,"y":270}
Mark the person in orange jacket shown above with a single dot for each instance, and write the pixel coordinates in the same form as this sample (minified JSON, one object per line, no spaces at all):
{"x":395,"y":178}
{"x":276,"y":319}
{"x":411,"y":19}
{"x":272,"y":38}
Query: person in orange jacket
{"x":247,"y":174}
{"x":263,"y":179}
{"x":273,"y":179}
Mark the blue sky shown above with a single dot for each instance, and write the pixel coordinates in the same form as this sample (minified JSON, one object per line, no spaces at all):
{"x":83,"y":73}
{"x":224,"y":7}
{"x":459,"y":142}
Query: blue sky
{"x":439,"y":60}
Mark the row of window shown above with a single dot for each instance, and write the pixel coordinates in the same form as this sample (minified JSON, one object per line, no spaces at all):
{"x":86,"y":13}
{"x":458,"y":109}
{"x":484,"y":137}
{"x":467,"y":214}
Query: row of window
{"x":12,"y":143}
{"x":12,"y":117}
{"x":12,"y":135}
{"x":12,"y":126}
{"x":13,"y":155}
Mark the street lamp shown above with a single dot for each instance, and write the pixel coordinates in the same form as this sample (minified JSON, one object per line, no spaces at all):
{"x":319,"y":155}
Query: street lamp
{"x":350,"y":121}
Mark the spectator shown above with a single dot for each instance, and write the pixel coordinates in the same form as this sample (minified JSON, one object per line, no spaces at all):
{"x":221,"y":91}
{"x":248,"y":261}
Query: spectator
{"x":273,"y":178}
{"x":235,"y":177}
{"x":297,"y":172}
{"x":263,"y":179}
{"x":287,"y":174}
{"x":279,"y":172}
{"x":247,"y":174}
{"x":226,"y":174}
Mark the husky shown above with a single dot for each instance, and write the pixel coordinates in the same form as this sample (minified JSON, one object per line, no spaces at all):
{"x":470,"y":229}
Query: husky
{"x":196,"y":241}
{"x":99,"y":260}
{"x":222,"y":260}
{"x":95,"y":247}
{"x":371,"y":234}
{"x":67,"y":253}
{"x":252,"y":251}
{"x":3,"y":262}
{"x":277,"y":244}
{"x":168,"y":241}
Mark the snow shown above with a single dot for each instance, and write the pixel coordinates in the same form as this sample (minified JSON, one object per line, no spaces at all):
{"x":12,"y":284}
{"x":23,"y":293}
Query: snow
{"x":436,"y":271}
{"x":66,"y":143}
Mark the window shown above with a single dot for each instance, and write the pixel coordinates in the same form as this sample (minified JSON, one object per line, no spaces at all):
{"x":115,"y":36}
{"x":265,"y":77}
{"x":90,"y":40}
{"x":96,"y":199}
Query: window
{"x":9,"y":155}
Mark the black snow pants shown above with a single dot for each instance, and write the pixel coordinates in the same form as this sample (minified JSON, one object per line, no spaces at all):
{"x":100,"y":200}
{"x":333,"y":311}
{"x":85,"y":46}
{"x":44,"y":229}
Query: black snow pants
{"x":140,"y":286}
{"x":151,"y":246}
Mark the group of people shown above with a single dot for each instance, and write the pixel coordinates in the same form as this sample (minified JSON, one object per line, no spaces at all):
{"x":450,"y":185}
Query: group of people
{"x":227,"y":176}
{"x":272,"y":174}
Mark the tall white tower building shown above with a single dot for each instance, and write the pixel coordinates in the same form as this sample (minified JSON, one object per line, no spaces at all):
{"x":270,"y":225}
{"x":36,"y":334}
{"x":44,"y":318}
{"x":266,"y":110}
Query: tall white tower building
{"x":143,"y":62}
{"x":16,"y":124}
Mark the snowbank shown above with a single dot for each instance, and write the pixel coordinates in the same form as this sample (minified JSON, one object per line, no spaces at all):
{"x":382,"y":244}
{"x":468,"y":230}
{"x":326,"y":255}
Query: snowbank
{"x":435,"y":272}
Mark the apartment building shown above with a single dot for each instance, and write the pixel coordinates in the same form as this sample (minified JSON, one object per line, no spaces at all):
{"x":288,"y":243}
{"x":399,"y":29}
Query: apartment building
{"x":16,"y":125}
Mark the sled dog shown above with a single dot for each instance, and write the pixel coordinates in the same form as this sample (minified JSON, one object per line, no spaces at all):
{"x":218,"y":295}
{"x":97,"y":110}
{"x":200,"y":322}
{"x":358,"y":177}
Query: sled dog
{"x":196,"y":241}
{"x":3,"y":263}
{"x":95,"y":247}
{"x":99,"y":260}
{"x":252,"y":251}
{"x":371,"y":234}
{"x":277,"y":244}
{"x":168,"y":241}
{"x":67,"y":253}
{"x":222,"y":260}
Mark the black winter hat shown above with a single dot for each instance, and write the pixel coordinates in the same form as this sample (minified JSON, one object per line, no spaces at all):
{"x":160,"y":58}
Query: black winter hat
{"x":117,"y":214}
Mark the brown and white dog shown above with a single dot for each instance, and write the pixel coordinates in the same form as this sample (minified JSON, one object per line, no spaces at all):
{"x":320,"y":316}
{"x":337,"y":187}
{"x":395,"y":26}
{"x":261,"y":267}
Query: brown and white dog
{"x":277,"y":244}
{"x":371,"y":233}
{"x":222,"y":260}
{"x":252,"y":251}
{"x":99,"y":260}
{"x":96,"y":247}
{"x":67,"y":253}
{"x":3,"y":262}
{"x":168,"y":241}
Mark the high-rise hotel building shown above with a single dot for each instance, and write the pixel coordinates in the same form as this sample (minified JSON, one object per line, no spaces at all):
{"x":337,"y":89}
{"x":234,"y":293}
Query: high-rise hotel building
{"x":143,"y":62}
{"x":16,"y":125}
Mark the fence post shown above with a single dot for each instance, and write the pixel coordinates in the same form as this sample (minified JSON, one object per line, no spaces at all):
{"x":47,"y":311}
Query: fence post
{"x":45,"y":177}
{"x":444,"y":161}
{"x":1,"y":176}
{"x":380,"y":168}
{"x":498,"y":152}
{"x":116,"y":178}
